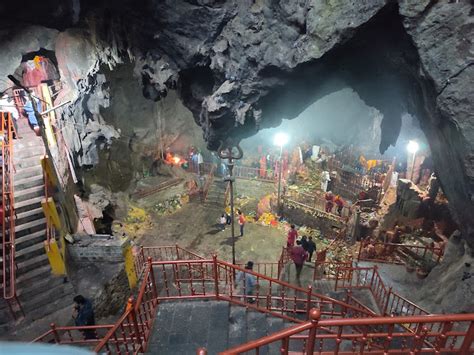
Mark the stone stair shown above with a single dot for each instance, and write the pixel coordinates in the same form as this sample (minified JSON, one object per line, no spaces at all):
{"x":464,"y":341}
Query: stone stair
{"x":38,"y":291}
{"x":215,"y":196}
{"x":182,"y":327}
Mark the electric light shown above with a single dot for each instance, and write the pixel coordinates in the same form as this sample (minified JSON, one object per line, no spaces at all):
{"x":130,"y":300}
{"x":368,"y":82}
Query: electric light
{"x":280,"y":139}
{"x":412,"y":147}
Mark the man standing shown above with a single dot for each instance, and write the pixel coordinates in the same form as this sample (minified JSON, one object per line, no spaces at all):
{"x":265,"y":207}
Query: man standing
{"x":311,"y":248}
{"x":329,"y":197}
{"x":247,"y":282}
{"x":298,"y":255}
{"x":340,"y":204}
{"x":241,"y":222}
{"x":84,"y":315}
{"x":292,"y":235}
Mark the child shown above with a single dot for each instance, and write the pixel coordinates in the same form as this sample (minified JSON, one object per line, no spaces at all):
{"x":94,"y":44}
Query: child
{"x":223,"y":222}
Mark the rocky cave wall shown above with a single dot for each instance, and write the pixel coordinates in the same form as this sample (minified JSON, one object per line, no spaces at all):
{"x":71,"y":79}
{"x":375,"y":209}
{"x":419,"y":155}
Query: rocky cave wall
{"x":241,"y":65}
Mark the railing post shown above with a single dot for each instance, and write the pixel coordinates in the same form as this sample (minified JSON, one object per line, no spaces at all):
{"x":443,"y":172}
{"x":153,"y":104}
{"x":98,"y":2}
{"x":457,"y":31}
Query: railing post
{"x":373,"y":276}
{"x":468,"y":339}
{"x":133,"y":316}
{"x":152,"y":277}
{"x":384,"y":310}
{"x":308,"y":301}
{"x":177,"y":252}
{"x":314,"y":315}
{"x":360,"y":251}
{"x":216,"y":275}
{"x":57,"y":340}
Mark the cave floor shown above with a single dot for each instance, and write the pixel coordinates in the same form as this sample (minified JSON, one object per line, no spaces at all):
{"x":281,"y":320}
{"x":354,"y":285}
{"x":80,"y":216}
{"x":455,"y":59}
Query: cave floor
{"x":194,"y":227}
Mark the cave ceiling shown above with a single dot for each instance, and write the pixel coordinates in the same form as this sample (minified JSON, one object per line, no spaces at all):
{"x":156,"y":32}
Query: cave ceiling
{"x":245,"y":64}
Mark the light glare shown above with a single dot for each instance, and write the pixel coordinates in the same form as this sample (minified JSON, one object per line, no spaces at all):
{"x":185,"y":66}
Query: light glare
{"x":280,"y":139}
{"x":412,"y":147}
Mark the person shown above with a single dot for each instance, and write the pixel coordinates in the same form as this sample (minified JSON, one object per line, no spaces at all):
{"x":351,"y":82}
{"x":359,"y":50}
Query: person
{"x":325,"y":178}
{"x":222,"y":221}
{"x":7,"y":105}
{"x":304,"y":242}
{"x":228,"y":219}
{"x":340,"y":204}
{"x":311,"y":248}
{"x":241,"y":222}
{"x":292,"y":235}
{"x":247,"y":282}
{"x":332,"y":181}
{"x":298,"y":255}
{"x":328,"y":196}
{"x":84,"y":315}
{"x":200,"y":162}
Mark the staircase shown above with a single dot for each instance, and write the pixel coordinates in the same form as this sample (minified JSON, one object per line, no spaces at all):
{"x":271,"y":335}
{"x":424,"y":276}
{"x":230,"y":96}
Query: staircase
{"x":38,"y":292}
{"x":182,"y":327}
{"x":215,"y":196}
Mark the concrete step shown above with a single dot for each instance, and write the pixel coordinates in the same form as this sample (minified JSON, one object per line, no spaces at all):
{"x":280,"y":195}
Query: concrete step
{"x":237,"y":326}
{"x":29,"y":141}
{"x":40,"y":273}
{"x":28,"y":205}
{"x":182,"y":327}
{"x":29,"y":252}
{"x":29,"y":216}
{"x":33,"y":152}
{"x":27,"y":153}
{"x":274,"y":325}
{"x":40,"y":285}
{"x":27,"y":228}
{"x":29,"y":182}
{"x":28,"y":172}
{"x":257,"y":328}
{"x":30,"y":239}
{"x":49,"y":301}
{"x":31,"y":264}
{"x":27,"y":163}
{"x":27,"y":194}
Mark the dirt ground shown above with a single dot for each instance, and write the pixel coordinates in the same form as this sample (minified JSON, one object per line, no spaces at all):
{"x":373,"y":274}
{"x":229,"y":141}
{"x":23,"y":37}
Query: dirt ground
{"x":194,"y":227}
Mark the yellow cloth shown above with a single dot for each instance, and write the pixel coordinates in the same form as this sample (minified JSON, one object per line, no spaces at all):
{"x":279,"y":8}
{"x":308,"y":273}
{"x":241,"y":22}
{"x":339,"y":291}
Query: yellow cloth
{"x":371,"y":164}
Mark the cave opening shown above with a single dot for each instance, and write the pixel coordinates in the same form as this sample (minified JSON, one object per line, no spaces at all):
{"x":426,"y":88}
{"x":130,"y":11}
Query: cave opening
{"x":355,"y":125}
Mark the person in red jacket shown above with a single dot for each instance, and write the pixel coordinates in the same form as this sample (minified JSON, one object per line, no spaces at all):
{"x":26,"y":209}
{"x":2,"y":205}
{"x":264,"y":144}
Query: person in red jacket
{"x":329,"y":197}
{"x":299,"y":256}
{"x":241,"y":222}
{"x":291,"y":238}
{"x":340,"y":204}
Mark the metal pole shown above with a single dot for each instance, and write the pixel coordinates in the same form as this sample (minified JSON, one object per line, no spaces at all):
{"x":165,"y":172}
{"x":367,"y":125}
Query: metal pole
{"x":230,"y":166}
{"x":279,"y":181}
{"x":413,"y":166}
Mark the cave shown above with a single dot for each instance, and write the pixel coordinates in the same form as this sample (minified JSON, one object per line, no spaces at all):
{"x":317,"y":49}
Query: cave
{"x":348,"y":123}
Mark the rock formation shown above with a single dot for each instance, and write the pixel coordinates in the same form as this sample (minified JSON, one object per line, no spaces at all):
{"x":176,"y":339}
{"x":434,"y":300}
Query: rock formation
{"x":241,"y":65}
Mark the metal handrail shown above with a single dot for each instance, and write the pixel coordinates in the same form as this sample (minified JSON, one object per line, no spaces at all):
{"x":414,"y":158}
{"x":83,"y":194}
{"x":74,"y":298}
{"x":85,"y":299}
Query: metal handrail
{"x":419,"y":250}
{"x":389,"y":301}
{"x":8,"y":205}
{"x":318,"y":332}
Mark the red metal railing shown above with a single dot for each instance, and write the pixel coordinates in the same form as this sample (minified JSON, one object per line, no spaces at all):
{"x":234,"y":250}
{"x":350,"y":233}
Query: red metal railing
{"x":74,"y":335}
{"x":388,"y":301}
{"x":162,"y":253}
{"x":132,"y":332}
{"x":244,"y":172}
{"x":8,"y":206}
{"x":391,"y":249}
{"x":434,"y":334}
{"x":190,"y":279}
{"x":312,"y":200}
